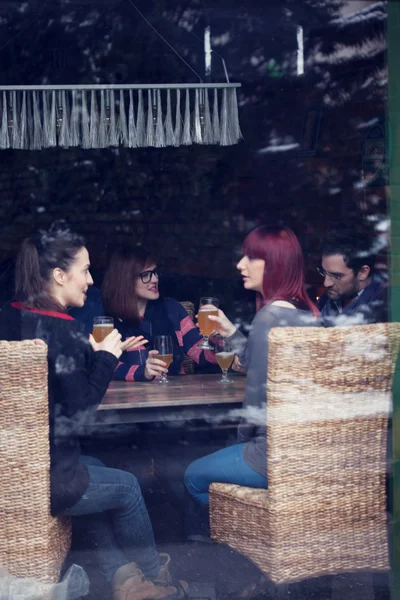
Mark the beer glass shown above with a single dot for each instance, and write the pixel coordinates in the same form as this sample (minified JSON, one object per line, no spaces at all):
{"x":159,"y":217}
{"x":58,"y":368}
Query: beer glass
{"x":224,"y":355}
{"x":143,"y":355}
{"x":163,"y":343}
{"x":102,"y":326}
{"x":208,"y":306}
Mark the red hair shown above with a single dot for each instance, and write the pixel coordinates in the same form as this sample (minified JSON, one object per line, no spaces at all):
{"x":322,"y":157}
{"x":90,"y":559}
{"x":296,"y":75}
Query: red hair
{"x":283,"y":277}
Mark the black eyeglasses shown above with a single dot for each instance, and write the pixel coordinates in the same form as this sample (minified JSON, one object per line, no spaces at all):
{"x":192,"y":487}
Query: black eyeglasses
{"x":324,"y":274}
{"x":147,"y":275}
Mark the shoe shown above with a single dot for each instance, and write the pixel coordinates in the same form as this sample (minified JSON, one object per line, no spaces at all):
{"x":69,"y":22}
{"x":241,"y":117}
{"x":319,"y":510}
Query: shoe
{"x":164,"y":577}
{"x":130,"y":583}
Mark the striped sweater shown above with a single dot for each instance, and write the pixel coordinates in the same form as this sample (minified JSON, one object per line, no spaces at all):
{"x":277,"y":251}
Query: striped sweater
{"x":132,"y":363}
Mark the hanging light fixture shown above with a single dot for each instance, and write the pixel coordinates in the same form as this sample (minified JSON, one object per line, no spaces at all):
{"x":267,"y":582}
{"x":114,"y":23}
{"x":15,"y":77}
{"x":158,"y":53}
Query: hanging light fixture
{"x":33,"y":117}
{"x":134,"y":116}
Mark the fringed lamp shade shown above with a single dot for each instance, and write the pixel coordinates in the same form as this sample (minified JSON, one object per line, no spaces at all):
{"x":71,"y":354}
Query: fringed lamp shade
{"x":134,"y":116}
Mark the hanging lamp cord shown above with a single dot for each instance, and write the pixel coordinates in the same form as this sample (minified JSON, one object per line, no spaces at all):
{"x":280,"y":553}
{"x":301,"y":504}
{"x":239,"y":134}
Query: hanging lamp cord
{"x":200,"y":40}
{"x":164,"y":40}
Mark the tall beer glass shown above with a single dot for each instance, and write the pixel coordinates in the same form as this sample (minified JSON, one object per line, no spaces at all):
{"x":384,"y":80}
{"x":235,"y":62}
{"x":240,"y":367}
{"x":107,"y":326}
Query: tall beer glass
{"x":208,"y":307}
{"x":102,"y":326}
{"x":163,"y":343}
{"x":224,"y":355}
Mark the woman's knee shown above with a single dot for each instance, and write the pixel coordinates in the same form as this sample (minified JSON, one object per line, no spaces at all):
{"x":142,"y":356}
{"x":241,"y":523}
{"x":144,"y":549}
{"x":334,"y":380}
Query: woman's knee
{"x":193,"y":476}
{"x":187,"y":478}
{"x":130,"y":481}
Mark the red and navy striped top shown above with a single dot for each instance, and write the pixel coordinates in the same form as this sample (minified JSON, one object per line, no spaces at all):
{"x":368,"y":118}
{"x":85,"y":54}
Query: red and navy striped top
{"x":188,"y":338}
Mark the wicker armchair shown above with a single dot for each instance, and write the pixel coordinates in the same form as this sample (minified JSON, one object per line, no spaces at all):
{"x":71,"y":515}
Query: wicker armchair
{"x":188,"y":363}
{"x":32,"y":542}
{"x":329,"y":398}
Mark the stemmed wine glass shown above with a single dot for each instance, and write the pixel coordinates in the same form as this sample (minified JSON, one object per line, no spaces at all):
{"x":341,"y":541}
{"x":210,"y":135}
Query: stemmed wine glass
{"x":163,"y":343}
{"x":208,"y":307}
{"x":224,"y":355}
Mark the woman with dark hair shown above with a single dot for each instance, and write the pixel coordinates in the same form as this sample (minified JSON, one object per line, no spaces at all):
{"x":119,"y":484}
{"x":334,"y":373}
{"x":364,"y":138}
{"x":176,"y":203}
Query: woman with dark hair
{"x":52,"y":274}
{"x":272,"y":265}
{"x":131,"y":295}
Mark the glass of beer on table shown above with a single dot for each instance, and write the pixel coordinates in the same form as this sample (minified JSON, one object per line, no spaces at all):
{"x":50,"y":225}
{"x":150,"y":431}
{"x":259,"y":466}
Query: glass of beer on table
{"x":163,"y":343}
{"x":102,"y":326}
{"x":224,"y":355}
{"x":208,"y":307}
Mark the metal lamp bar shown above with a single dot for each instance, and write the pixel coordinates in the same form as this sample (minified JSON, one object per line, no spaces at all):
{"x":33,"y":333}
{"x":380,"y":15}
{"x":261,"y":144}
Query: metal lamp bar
{"x":111,"y":86}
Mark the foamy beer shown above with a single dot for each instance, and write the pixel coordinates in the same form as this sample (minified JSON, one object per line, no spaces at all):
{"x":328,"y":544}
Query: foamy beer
{"x":102,"y":327}
{"x":208,"y":307}
{"x":163,"y":344}
{"x":224,"y":360}
{"x":205,"y":325}
{"x":224,"y":355}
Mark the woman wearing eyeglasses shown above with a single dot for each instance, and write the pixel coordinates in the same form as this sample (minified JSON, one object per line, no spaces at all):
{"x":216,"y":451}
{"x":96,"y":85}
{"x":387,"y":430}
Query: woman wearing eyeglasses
{"x":131,"y":295}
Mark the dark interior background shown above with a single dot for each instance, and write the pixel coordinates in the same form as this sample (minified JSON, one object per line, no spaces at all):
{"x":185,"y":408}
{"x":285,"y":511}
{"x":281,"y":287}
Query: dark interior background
{"x":313,"y":154}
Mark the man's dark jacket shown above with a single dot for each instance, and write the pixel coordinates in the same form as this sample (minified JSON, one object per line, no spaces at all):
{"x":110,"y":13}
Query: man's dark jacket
{"x":371,"y":306}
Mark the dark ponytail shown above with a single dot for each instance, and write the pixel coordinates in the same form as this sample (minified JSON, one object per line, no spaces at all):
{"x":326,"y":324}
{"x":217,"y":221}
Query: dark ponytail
{"x":29,"y":284}
{"x":39,"y":255}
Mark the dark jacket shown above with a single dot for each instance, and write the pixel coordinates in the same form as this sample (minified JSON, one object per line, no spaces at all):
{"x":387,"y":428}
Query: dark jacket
{"x":78,"y":379}
{"x":371,"y":306}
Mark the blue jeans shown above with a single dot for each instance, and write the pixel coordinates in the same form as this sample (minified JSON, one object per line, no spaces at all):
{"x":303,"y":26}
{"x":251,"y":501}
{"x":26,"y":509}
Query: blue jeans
{"x":113,"y":517}
{"x":224,"y":466}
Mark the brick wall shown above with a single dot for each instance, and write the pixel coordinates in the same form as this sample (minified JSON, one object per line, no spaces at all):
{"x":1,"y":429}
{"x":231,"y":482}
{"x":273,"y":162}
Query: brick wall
{"x":173,"y":202}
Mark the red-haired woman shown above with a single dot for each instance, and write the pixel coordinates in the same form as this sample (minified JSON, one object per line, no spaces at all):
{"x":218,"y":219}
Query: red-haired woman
{"x":272,"y":265}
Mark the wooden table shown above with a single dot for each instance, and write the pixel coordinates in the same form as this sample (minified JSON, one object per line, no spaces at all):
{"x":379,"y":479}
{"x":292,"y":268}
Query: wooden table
{"x":183,"y":398}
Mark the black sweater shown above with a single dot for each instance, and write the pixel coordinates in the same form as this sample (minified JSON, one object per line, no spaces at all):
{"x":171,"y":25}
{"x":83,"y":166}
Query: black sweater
{"x":78,"y":379}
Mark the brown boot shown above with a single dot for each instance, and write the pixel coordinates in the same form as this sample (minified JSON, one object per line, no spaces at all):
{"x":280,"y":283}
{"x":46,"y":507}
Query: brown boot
{"x":164,"y":577}
{"x":129,"y":583}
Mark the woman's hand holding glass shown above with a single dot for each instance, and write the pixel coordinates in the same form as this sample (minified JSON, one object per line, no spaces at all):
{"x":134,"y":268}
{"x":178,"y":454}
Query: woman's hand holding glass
{"x":208,"y":306}
{"x":154,"y":366}
{"x":111,"y":343}
{"x":163,"y":343}
{"x":224,"y":326}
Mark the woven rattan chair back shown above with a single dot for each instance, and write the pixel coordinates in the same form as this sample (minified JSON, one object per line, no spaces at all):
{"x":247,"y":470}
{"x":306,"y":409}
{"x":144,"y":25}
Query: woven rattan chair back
{"x":329,"y":399}
{"x":188,"y":363}
{"x":32,"y":542}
